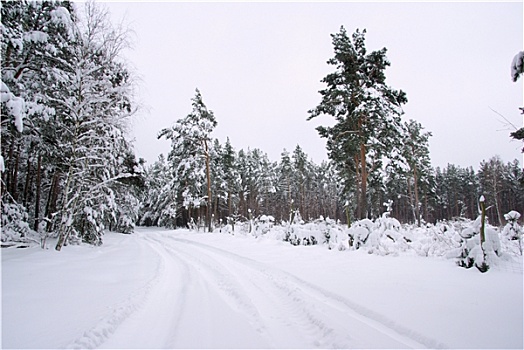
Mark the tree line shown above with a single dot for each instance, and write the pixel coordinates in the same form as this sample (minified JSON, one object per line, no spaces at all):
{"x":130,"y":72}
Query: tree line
{"x":246,"y":184}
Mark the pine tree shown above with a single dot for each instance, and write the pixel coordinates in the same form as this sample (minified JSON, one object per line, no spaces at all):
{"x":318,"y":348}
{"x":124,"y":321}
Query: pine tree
{"x":158,"y":200}
{"x":492,"y":183}
{"x":415,"y":151}
{"x":284,"y":184}
{"x":190,"y":155}
{"x":300,"y":179}
{"x":366,"y":110}
{"x":231,"y":178}
{"x":513,"y":194}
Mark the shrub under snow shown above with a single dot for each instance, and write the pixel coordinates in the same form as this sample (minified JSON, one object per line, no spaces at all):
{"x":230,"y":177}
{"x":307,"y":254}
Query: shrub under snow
{"x":512,"y":233}
{"x":471,"y":250}
{"x":459,"y":239}
{"x":14,"y":224}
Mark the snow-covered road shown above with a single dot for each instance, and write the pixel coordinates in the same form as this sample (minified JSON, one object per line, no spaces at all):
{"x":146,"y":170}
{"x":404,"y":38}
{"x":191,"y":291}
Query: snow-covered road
{"x":211,"y":298}
{"x":184,"y":290}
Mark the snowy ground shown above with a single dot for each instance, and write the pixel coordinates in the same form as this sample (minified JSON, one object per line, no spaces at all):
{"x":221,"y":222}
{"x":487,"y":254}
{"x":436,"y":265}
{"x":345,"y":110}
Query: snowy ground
{"x":177,"y":289}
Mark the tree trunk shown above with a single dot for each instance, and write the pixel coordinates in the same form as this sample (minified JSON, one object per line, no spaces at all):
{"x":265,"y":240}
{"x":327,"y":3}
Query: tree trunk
{"x":14,"y":183}
{"x":208,"y":175}
{"x":496,"y":197}
{"x":189,"y":216}
{"x":364,"y":182}
{"x":9,"y":166}
{"x":229,"y":204}
{"x":357,"y":187}
{"x":426,"y":214}
{"x":28,"y":177}
{"x":415,"y":186}
{"x":217,"y":205}
{"x":38,"y":191}
{"x":242,"y":204}
{"x":348,"y":216}
{"x":64,"y":230}
{"x":411,"y":200}
{"x":52,"y":199}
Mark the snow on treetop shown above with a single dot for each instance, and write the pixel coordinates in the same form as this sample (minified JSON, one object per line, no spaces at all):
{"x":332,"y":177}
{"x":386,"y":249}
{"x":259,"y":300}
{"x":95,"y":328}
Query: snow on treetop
{"x":61,"y":15}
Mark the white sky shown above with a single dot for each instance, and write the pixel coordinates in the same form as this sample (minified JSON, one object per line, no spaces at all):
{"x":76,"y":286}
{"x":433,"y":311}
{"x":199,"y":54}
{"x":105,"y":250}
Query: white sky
{"x":259,"y":66}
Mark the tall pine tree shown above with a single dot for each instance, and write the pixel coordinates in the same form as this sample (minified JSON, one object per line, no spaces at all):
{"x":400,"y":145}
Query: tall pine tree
{"x":190,"y":155}
{"x":366,"y":110}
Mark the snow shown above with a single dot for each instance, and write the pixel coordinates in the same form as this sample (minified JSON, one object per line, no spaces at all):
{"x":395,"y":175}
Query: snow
{"x":15,"y":106}
{"x":61,"y":16}
{"x":161,"y":288}
{"x":5,"y":93}
{"x":36,"y":36}
{"x":517,"y":67}
{"x":512,"y":215}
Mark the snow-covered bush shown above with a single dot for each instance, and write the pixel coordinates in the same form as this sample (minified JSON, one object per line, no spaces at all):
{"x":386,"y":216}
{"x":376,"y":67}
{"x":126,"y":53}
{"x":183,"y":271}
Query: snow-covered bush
{"x":384,"y":236}
{"x":14,"y":224}
{"x":297,"y":232}
{"x":263,"y":225}
{"x":512,"y":233}
{"x":359,"y":232}
{"x":435,"y":240}
{"x":457,"y":239}
{"x":332,"y":234}
{"x":472,"y":252}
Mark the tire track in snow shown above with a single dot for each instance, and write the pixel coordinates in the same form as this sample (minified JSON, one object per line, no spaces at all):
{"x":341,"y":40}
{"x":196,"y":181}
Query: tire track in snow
{"x":163,"y":309}
{"x":108,"y":324}
{"x":215,"y":272}
{"x":306,"y":301}
{"x":291,"y":310}
{"x":279,"y":301}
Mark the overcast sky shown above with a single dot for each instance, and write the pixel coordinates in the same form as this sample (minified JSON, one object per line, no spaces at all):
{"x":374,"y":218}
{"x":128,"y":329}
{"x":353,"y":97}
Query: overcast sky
{"x":259,"y":66}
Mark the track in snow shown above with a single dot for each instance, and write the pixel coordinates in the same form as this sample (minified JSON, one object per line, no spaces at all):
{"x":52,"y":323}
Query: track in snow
{"x":206,"y":297}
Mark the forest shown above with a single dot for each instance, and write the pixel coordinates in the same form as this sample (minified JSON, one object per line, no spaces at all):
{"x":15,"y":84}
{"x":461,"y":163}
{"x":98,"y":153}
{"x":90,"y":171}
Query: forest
{"x":69,"y":171}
